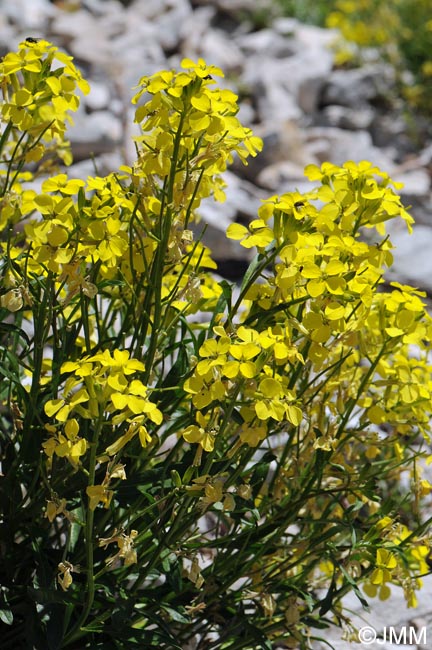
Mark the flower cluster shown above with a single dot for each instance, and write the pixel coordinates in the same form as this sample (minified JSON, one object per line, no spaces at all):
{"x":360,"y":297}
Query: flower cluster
{"x":323,"y":289}
{"x":196,"y":124}
{"x":99,"y":388}
{"x":249,"y":361}
{"x":39,"y":86}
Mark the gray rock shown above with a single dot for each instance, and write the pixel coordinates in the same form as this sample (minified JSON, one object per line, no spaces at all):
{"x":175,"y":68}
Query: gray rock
{"x":315,"y":62}
{"x":135,"y":53}
{"x":425,"y":156}
{"x":217,"y":48}
{"x":26,"y":15}
{"x":338,"y":145}
{"x":155,"y":9}
{"x":234,"y":6}
{"x":308,"y":94}
{"x":281,"y":143}
{"x":166,"y":17}
{"x":8,"y":35}
{"x":417,"y":183}
{"x":343,"y":117}
{"x":412,"y":256}
{"x":247,"y":114}
{"x":242,"y":198}
{"x":283,"y":176}
{"x":242,"y":203}
{"x":99,"y":7}
{"x":285,"y":26}
{"x":275,"y":102}
{"x":97,"y":133}
{"x":89,"y":37}
{"x":98,"y":97}
{"x":420,"y":623}
{"x":270,"y":84}
{"x":360,"y":85}
{"x":287,"y":87}
{"x":194,"y":29}
{"x":391,"y":128}
{"x":267,"y":42}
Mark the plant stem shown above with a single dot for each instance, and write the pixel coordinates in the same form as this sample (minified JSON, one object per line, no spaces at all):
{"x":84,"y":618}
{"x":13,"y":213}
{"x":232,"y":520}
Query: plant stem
{"x":77,"y":631}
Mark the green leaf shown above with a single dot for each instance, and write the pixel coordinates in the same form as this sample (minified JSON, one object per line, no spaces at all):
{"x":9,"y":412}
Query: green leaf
{"x":175,"y":615}
{"x":6,"y":616}
{"x":224,"y":301}
{"x":249,"y":276}
{"x":10,"y":328}
{"x":81,"y":199}
{"x":75,"y":531}
{"x":237,"y":417}
{"x":327,"y":602}
{"x":168,"y":559}
{"x":353,"y":584}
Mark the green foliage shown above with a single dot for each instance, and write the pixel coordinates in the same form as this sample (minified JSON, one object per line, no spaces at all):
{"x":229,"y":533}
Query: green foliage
{"x":400,"y":30}
{"x":308,"y":11}
{"x":185,"y":461}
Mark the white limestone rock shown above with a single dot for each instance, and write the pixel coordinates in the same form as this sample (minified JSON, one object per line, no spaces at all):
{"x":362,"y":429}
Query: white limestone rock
{"x":338,"y":145}
{"x":412,"y":255}
{"x":31,"y":16}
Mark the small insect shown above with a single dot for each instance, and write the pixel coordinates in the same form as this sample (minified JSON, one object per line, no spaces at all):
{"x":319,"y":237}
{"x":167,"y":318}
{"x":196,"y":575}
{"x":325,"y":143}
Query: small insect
{"x":31,"y":39}
{"x":298,"y":205}
{"x":208,"y":76}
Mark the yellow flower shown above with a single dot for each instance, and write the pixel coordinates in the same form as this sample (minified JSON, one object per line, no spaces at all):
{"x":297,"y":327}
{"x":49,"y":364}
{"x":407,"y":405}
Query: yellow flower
{"x":201,"y":433}
{"x":12,"y":300}
{"x":65,"y":578}
{"x":385,"y":562}
{"x":56,"y":507}
{"x":61,"y":183}
{"x":125,"y":544}
{"x":201,"y":68}
{"x":99,"y":494}
{"x":61,"y":407}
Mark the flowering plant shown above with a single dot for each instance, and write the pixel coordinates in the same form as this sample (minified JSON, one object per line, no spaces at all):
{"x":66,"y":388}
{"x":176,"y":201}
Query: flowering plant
{"x":187,"y":464}
{"x":397,"y":32}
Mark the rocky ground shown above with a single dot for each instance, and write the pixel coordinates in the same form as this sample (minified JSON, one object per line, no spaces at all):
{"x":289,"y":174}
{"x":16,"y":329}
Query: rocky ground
{"x":291,"y":94}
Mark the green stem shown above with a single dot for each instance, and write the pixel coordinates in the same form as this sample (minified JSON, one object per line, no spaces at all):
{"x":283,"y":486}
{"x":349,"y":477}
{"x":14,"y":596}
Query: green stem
{"x":77,"y":632}
{"x":157,"y":271}
{"x":9,"y":169}
{"x":177,"y":530}
{"x":353,"y":401}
